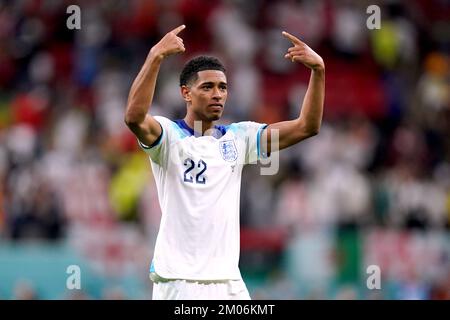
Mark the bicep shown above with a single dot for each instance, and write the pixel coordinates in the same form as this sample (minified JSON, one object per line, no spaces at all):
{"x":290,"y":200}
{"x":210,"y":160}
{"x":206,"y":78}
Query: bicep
{"x":280,"y":135}
{"x":147,"y":131}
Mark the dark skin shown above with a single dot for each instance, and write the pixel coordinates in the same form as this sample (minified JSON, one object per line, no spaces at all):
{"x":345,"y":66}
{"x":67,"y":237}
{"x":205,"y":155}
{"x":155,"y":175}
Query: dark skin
{"x":205,"y":97}
{"x":143,"y":125}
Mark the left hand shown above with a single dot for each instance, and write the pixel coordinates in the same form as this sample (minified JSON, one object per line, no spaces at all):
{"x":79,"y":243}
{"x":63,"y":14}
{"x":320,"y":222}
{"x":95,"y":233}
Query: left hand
{"x":300,"y":52}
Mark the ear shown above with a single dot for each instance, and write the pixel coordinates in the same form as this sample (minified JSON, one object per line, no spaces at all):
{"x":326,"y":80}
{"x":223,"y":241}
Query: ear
{"x":186,"y":93}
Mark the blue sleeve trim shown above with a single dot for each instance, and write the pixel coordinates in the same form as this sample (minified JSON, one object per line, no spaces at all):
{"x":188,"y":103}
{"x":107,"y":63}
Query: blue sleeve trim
{"x":258,"y":139}
{"x":154,"y":144}
{"x":152,"y":267}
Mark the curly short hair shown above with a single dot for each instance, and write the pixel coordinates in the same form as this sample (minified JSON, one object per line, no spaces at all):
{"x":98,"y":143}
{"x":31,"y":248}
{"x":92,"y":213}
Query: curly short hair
{"x":201,"y":63}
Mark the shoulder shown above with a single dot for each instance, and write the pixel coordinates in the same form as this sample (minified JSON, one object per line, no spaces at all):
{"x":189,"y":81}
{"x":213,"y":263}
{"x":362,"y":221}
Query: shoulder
{"x":166,"y":123}
{"x":245,"y":126}
{"x":174,"y":128}
{"x":162,"y":120}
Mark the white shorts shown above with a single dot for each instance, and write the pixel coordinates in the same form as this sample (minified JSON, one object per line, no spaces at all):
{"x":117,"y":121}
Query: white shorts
{"x":200,"y":290}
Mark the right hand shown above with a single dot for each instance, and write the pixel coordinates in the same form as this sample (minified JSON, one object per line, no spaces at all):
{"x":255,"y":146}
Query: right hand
{"x":169,"y":44}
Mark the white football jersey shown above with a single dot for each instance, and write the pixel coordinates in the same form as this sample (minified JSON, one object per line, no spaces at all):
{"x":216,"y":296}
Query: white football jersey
{"x":198,"y":179}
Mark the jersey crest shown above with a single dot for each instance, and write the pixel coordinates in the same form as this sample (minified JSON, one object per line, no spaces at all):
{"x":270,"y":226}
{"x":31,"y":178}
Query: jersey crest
{"x":228,"y":150}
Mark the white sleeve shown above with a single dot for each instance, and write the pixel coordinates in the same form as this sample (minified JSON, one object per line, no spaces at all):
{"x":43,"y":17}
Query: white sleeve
{"x":252,"y":135}
{"x":159,"y":150}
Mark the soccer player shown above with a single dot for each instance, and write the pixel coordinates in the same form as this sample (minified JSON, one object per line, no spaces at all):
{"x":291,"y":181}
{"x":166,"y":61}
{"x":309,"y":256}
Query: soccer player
{"x":197,"y":167}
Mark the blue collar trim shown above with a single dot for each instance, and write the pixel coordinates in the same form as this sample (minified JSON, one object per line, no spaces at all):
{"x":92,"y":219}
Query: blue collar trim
{"x":218,"y":133}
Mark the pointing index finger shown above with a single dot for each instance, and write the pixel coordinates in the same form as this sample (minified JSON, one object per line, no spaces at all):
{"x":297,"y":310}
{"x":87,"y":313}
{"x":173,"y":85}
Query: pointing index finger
{"x":293,"y":39}
{"x":177,"y":30}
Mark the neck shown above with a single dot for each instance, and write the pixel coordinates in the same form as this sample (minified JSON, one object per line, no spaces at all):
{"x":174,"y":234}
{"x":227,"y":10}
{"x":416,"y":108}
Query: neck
{"x":194,"y":123}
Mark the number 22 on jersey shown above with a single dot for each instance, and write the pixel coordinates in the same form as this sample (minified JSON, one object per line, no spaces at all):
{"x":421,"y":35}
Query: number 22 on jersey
{"x":190,"y":165}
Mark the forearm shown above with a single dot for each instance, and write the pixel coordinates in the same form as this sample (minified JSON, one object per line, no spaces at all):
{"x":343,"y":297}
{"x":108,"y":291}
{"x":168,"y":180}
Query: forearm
{"x":312,"y":108}
{"x":142,"y":90}
{"x":308,"y":123}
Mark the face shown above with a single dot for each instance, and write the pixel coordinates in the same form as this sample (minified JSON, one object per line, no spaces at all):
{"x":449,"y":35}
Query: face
{"x":207,"y":95}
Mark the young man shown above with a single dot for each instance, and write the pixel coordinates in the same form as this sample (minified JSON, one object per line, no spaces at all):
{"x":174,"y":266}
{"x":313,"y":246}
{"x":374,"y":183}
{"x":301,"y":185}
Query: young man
{"x":197,"y":167}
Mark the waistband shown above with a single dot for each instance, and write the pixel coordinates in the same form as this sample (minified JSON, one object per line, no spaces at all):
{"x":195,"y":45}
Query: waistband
{"x":157,"y":278}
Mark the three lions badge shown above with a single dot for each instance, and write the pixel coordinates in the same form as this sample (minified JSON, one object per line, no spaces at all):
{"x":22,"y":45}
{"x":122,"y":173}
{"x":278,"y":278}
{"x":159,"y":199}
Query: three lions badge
{"x":228,"y":150}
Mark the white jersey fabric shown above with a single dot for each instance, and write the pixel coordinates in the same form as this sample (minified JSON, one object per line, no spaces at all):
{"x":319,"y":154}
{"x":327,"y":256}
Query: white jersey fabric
{"x":198,"y":179}
{"x":195,"y":290}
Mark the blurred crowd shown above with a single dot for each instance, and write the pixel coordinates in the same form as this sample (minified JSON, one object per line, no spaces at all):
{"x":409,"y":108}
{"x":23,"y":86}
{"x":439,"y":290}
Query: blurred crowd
{"x":70,"y":168}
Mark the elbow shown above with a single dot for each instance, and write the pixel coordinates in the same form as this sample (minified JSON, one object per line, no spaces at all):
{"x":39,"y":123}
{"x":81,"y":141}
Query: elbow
{"x":129,"y":121}
{"x":132,"y":119}
{"x":313,"y":132}
{"x":308,"y":131}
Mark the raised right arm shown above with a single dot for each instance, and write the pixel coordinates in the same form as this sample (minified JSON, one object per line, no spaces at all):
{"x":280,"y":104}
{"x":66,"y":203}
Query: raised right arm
{"x":140,"y":98}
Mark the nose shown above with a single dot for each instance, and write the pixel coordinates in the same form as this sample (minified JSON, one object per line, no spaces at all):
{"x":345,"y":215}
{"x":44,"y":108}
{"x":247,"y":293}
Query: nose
{"x":217,"y":94}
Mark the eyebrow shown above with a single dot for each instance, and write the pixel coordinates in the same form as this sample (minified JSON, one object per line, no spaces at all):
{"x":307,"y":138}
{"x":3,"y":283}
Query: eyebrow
{"x":211,"y":82}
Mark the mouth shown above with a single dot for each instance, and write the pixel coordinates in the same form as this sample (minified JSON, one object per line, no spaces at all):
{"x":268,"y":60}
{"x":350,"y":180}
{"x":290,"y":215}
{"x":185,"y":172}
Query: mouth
{"x":216,"y":106}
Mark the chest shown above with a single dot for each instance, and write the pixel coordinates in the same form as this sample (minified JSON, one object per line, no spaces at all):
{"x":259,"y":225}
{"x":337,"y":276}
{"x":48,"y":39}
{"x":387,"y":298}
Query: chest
{"x":201,"y":159}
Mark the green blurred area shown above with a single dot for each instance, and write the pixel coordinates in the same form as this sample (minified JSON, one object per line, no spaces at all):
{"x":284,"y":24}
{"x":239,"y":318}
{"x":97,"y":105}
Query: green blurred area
{"x":44,"y":268}
{"x":318,"y":264}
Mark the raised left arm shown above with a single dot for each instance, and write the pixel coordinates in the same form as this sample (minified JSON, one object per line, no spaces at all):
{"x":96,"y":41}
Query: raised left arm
{"x":310,"y":118}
